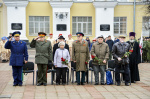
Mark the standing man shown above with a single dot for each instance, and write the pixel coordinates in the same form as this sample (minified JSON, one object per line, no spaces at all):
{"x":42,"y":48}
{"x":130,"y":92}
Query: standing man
{"x":19,"y":56}
{"x":69,"y":42}
{"x":135,"y":58}
{"x":61,"y":38}
{"x":43,"y":55}
{"x":121,"y":60}
{"x":110,"y":43}
{"x":50,"y":38}
{"x":100,"y":50}
{"x":80,"y":55}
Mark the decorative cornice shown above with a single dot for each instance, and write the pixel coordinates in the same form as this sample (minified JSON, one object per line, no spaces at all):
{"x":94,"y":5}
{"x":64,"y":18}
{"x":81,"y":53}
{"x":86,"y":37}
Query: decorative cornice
{"x":16,"y":3}
{"x":38,"y":0}
{"x":61,"y":4}
{"x":105,"y":4}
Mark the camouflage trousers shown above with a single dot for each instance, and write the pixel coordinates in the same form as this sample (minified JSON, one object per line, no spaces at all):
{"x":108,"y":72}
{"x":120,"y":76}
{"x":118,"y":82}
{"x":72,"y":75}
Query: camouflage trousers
{"x":5,"y":55}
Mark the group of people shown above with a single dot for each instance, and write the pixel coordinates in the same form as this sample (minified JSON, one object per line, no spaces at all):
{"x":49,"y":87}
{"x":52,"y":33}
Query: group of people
{"x":61,"y":52}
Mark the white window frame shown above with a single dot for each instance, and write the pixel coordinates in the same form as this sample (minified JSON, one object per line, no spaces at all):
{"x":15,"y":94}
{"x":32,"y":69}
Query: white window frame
{"x":35,"y":34}
{"x":81,"y":25}
{"x":119,"y":26}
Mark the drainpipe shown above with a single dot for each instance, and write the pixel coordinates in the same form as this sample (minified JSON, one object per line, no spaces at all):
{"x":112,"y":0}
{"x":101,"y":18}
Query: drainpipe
{"x":134,"y":15}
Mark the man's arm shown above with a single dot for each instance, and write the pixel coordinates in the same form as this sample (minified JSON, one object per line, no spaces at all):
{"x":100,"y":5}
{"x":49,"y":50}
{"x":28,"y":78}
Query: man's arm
{"x":8,"y":45}
{"x":33,"y":43}
{"x":114,"y":50}
{"x":107,"y":53}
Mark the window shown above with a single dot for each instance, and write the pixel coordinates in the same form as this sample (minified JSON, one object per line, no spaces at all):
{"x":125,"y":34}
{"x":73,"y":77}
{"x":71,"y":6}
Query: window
{"x":82,"y":24}
{"x":38,"y":24}
{"x":120,"y":25}
{"x":146,"y":26}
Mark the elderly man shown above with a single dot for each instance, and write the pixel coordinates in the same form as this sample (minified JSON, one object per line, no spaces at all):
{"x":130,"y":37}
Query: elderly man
{"x":121,"y":60}
{"x":135,"y":58}
{"x":43,"y":55}
{"x":19,"y":56}
{"x":100,"y":50}
{"x":80,"y":55}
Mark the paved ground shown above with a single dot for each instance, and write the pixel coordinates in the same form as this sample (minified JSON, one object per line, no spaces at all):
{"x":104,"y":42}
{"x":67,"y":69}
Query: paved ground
{"x":72,"y":91}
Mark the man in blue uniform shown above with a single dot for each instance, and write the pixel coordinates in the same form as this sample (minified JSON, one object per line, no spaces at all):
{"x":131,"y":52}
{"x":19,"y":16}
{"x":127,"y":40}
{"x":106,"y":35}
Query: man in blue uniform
{"x":19,"y":56}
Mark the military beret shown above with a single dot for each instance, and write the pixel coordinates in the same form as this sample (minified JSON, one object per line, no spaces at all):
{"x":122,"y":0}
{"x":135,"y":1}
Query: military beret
{"x":16,"y":33}
{"x":79,"y":34}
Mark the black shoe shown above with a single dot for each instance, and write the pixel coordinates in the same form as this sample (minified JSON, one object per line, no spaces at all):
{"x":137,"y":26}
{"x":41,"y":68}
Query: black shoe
{"x":15,"y":84}
{"x":57,"y":83}
{"x":19,"y":84}
{"x":118,"y":84}
{"x":63,"y":83}
{"x":126,"y":84}
{"x":39,"y":84}
{"x":45,"y":84}
{"x":78,"y":83}
{"x":96,"y":84}
{"x":102,"y":83}
{"x":132,"y":81}
{"x":82,"y":84}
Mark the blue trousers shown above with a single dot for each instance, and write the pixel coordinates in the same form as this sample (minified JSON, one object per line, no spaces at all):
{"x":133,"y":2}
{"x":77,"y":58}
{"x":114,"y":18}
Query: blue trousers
{"x":78,"y":76}
{"x":17,"y":74}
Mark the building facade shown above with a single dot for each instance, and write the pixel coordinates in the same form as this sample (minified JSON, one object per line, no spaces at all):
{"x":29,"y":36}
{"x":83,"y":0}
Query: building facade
{"x":93,"y":18}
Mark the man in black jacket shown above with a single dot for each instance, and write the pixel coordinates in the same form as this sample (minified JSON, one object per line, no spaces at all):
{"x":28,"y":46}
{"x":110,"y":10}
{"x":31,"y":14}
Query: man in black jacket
{"x":110,"y":43}
{"x":55,"y":47}
{"x":121,"y":60}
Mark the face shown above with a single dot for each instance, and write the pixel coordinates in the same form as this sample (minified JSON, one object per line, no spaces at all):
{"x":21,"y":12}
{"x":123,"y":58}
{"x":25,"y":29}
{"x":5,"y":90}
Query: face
{"x":131,"y":37}
{"x":41,"y":38}
{"x":69,"y":37}
{"x":59,"y":40}
{"x":122,"y":39}
{"x":62,"y":46}
{"x":50,"y":36}
{"x":10,"y":34}
{"x":17,"y":38}
{"x":79,"y":38}
{"x":100,"y":40}
{"x":109,"y":37}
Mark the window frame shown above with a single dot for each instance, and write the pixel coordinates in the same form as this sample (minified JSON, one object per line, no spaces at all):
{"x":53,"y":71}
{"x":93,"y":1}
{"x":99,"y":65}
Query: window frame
{"x":119,"y":25}
{"x":86,"y":34}
{"x":39,"y":22}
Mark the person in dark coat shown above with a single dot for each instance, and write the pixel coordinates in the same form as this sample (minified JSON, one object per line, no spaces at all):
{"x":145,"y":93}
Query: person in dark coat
{"x":121,"y":60}
{"x":55,"y":47}
{"x":19,"y":56}
{"x":93,"y":41}
{"x":116,"y":40}
{"x":89,"y":42}
{"x":110,"y":43}
{"x":135,"y":58}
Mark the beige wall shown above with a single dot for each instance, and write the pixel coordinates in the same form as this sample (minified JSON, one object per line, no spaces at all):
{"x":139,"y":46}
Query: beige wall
{"x":3,"y":20}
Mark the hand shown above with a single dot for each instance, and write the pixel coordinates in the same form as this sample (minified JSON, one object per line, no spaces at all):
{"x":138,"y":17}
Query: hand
{"x":119,"y":59}
{"x":125,"y":56}
{"x":25,"y":61}
{"x":36,"y":38}
{"x":10,"y":39}
{"x":55,"y":66}
{"x":104,"y":61}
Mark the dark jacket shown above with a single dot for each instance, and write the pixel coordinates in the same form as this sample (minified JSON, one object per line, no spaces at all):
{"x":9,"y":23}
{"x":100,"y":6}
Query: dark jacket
{"x":55,"y":47}
{"x":19,"y":52}
{"x":110,"y":44}
{"x":118,"y":50}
